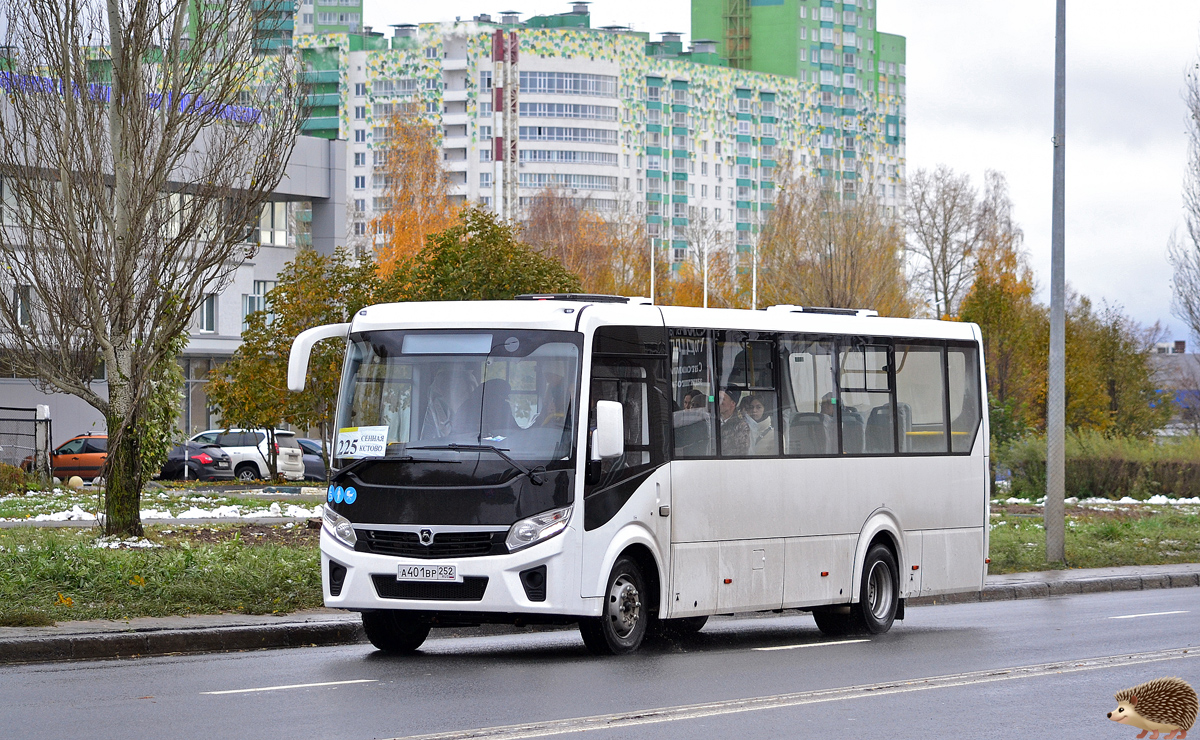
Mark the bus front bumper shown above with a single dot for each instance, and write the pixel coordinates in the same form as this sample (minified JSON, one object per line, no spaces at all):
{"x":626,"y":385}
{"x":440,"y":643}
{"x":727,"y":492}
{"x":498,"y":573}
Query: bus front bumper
{"x":370,"y":581}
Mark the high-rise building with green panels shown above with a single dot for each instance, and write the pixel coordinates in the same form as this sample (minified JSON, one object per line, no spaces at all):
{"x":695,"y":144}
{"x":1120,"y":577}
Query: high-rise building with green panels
{"x":329,"y":16}
{"x":621,"y":121}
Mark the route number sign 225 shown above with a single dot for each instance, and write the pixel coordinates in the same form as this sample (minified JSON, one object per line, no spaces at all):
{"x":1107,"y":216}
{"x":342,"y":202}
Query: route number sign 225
{"x":361,"y":442}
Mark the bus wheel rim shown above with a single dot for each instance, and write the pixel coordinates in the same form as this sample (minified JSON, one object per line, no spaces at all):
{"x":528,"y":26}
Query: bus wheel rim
{"x":879,"y":590}
{"x":624,"y":606}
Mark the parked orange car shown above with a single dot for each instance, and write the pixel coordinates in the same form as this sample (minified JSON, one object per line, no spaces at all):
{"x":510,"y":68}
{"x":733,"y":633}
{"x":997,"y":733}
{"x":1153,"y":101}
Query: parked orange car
{"x":82,"y":455}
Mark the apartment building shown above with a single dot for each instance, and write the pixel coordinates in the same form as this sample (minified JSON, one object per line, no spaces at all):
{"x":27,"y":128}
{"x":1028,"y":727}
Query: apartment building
{"x":693,"y":139}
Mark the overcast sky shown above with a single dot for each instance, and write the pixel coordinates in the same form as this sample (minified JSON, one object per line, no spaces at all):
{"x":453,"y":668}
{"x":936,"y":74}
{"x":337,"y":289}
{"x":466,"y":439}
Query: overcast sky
{"x":980,"y":96}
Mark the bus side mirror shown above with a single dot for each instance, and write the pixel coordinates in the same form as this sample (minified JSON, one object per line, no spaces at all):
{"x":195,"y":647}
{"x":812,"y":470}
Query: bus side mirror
{"x":302,"y":348}
{"x":609,"y":438}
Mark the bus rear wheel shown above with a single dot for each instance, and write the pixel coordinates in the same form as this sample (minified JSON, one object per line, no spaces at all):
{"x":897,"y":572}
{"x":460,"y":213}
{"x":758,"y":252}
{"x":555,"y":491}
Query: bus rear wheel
{"x":394,"y":632}
{"x":620,"y":629}
{"x":879,"y":598}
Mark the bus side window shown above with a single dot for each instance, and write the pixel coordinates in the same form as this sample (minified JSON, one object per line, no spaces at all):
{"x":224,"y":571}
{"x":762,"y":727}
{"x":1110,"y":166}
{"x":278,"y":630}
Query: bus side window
{"x":867,"y":423}
{"x":921,"y":398}
{"x":809,"y":407}
{"x":965,"y":411}
{"x":624,"y":381}
{"x":747,"y":404}
{"x":693,"y":401}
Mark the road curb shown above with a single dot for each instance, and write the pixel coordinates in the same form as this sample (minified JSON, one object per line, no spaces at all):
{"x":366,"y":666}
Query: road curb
{"x":132,"y":644}
{"x":1043,"y":589}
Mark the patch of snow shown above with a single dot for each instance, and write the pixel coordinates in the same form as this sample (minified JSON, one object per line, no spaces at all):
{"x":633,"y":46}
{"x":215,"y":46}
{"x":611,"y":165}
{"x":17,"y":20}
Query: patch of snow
{"x":76,"y":514}
{"x":114,"y":542}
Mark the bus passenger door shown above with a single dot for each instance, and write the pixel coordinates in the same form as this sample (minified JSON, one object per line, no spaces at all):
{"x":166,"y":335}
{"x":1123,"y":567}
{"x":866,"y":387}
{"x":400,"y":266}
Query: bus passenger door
{"x":636,"y":487}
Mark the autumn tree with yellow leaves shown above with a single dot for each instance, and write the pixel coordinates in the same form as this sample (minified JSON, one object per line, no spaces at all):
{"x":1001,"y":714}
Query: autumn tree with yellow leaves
{"x":610,"y":253}
{"x":417,"y":188}
{"x":819,"y":249}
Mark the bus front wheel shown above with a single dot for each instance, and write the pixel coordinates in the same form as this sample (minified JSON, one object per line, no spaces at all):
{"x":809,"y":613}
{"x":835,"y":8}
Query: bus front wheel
{"x":620,"y":629}
{"x":394,"y":632}
{"x":879,"y":598}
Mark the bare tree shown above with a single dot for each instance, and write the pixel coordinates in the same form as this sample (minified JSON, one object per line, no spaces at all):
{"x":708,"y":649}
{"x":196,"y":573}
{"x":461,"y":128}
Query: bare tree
{"x":138,"y":143}
{"x":568,"y":228}
{"x":943,"y":229}
{"x":996,"y":229}
{"x":819,"y":249}
{"x":1184,"y":253}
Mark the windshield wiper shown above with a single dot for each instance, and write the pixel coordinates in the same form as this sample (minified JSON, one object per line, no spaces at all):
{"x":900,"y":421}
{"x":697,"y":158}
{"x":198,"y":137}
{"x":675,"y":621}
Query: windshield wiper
{"x":534,"y":475}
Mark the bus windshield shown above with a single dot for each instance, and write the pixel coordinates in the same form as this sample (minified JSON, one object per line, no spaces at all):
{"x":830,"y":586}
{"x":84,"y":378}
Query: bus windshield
{"x":516,"y":391}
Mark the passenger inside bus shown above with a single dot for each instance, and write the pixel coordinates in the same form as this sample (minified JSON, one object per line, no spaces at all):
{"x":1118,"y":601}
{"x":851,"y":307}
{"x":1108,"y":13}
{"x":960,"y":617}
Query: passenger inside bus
{"x":735,"y":431}
{"x":762,"y":432}
{"x":450,"y":389}
{"x":552,"y":403}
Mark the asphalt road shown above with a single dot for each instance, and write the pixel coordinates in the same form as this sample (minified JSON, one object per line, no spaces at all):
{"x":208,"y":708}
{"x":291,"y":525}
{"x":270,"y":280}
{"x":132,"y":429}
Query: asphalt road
{"x":757,"y":677}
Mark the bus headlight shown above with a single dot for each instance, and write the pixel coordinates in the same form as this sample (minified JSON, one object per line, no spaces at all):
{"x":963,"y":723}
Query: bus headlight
{"x":340,"y":527}
{"x":537,"y":528}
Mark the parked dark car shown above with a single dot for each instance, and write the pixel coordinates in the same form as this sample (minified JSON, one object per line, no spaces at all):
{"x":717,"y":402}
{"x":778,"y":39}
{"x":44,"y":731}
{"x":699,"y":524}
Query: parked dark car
{"x":203,"y":462}
{"x":314,"y":464}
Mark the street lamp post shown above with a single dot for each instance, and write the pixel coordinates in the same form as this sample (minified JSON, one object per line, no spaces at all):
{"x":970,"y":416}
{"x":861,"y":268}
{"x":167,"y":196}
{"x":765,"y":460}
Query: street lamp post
{"x":1055,"y":522}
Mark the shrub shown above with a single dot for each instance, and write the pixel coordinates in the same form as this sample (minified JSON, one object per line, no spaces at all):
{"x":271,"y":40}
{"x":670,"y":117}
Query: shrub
{"x":1107,"y":467}
{"x":12,"y":479}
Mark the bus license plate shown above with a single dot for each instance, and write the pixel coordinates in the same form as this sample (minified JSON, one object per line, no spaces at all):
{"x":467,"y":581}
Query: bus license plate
{"x":428,"y":573}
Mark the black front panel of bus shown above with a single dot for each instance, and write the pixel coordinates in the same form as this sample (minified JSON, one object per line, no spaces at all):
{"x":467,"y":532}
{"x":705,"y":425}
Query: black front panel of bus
{"x":404,"y":493}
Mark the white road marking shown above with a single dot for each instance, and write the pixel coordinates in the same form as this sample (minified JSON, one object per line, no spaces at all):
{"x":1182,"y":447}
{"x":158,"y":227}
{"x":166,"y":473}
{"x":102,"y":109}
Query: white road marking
{"x":291,"y":686}
{"x":1150,"y":614}
{"x":737,"y":706}
{"x":809,"y":644}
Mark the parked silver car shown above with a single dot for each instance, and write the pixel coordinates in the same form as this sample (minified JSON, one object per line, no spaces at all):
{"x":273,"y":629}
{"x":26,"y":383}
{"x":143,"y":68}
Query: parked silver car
{"x":247,"y":448}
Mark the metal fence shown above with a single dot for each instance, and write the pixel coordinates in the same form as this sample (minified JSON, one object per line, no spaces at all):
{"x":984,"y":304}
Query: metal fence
{"x":25,"y":437}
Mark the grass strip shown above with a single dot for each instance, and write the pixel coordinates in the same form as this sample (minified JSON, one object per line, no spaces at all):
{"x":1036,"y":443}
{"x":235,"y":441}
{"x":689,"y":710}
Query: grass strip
{"x":50,"y":575}
{"x":1096,"y":538}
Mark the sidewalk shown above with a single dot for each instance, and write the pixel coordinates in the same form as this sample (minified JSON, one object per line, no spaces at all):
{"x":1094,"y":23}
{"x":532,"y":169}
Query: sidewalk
{"x":202,"y":634}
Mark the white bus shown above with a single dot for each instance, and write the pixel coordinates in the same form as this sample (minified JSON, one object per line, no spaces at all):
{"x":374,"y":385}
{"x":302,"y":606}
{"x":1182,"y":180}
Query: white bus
{"x":603,"y":461}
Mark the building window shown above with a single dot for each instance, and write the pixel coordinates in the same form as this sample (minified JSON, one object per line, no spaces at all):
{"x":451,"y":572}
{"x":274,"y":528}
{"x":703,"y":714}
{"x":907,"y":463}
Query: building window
{"x":485,"y":154}
{"x":257,"y":301}
{"x":272,"y":225}
{"x":360,"y":136}
{"x":360,"y":228}
{"x":360,"y":159}
{"x":485,"y":179}
{"x":431,"y":52}
{"x":206,"y":315}
{"x":23,"y":297}
{"x":360,"y":89}
{"x":360,"y":112}
{"x":360,"y":182}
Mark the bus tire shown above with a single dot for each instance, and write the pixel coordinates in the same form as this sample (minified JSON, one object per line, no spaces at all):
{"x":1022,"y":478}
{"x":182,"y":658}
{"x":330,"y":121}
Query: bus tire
{"x":879,"y":594}
{"x":620,"y":629}
{"x":879,"y":598}
{"x":393,"y":631}
{"x":673,"y":629}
